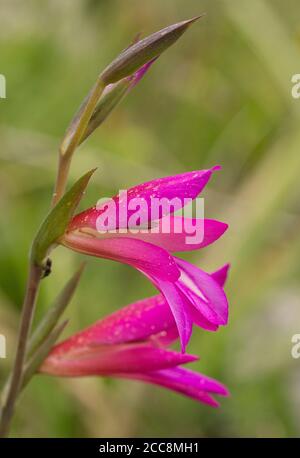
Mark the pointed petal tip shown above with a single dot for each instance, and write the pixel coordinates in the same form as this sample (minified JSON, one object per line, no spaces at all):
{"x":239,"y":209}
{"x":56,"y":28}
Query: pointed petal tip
{"x":184,"y":338}
{"x":222,"y":227}
{"x":220,"y":275}
{"x":225,"y":392}
{"x":213,"y":403}
{"x":186,"y":358}
{"x":218,"y":388}
{"x":226,"y":267}
{"x":210,"y":171}
{"x":183,"y":346}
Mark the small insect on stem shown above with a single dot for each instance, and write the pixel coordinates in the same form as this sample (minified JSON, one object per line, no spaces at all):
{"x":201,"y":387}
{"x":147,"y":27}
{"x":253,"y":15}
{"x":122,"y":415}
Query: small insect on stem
{"x":47,"y":268}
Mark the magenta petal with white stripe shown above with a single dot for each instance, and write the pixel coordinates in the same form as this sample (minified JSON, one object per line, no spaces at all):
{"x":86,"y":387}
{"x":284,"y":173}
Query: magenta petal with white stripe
{"x":204,"y":292}
{"x":139,"y":254}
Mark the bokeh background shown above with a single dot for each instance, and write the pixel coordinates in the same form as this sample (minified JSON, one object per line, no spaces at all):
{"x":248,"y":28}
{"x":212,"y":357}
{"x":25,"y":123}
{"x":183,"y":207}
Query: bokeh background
{"x":221,"y":95}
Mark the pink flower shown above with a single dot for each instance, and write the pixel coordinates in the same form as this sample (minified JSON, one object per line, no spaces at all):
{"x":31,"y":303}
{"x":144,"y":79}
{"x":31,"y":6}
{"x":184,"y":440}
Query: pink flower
{"x":133,"y":343}
{"x":193,"y":295}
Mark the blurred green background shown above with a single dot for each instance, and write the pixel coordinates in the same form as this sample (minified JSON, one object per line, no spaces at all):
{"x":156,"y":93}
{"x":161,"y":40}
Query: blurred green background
{"x":221,"y":95}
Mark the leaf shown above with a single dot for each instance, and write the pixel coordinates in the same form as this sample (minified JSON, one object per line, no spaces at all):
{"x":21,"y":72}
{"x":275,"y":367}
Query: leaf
{"x":42,"y":352}
{"x":143,"y":51}
{"x":54,"y":313}
{"x":56,"y":222}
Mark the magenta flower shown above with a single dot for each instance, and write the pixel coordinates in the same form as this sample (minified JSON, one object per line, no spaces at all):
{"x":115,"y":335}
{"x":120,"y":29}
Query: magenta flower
{"x":133,"y":343}
{"x":193,"y":295}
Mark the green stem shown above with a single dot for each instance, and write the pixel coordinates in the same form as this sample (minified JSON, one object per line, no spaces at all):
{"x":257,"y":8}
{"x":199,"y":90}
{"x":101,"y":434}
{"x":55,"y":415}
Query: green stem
{"x":34,"y":278}
{"x":73,"y":137}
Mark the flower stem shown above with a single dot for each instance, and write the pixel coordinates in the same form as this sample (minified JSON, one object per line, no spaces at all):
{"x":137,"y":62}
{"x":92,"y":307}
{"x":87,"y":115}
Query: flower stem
{"x":34,"y":278}
{"x":73,"y":136}
{"x":61,"y":178}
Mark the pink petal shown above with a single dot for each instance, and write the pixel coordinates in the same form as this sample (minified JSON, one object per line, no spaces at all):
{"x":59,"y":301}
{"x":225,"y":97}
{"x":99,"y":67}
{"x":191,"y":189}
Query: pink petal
{"x":138,"y":321}
{"x":138,"y":75}
{"x":220,"y":275}
{"x":204,"y":292}
{"x":133,"y":79}
{"x":194,"y":233}
{"x":112,"y":359}
{"x":168,"y":336}
{"x":178,"y":187}
{"x":136,"y":253}
{"x":179,"y":305}
{"x":200,"y":321}
{"x":187,"y":382}
{"x":185,"y":308}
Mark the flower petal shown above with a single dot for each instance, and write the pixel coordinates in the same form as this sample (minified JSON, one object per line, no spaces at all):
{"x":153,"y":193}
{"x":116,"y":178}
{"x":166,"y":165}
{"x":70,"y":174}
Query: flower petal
{"x":112,"y":359}
{"x":121,"y":208}
{"x":204,"y":292}
{"x":136,"y":253}
{"x":138,"y":75}
{"x":175,"y":233}
{"x":179,"y":306}
{"x":138,"y":321}
{"x":220,"y":275}
{"x":192,"y":384}
{"x":200,"y":321}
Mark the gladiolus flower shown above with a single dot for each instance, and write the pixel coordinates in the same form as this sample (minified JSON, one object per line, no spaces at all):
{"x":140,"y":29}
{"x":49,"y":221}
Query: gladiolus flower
{"x":193,"y":295}
{"x":133,"y":343}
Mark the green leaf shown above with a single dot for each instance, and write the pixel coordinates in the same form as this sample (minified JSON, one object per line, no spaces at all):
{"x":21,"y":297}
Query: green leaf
{"x":143,"y":51}
{"x":41,"y":353}
{"x":55,"y":224}
{"x":54,"y":313}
